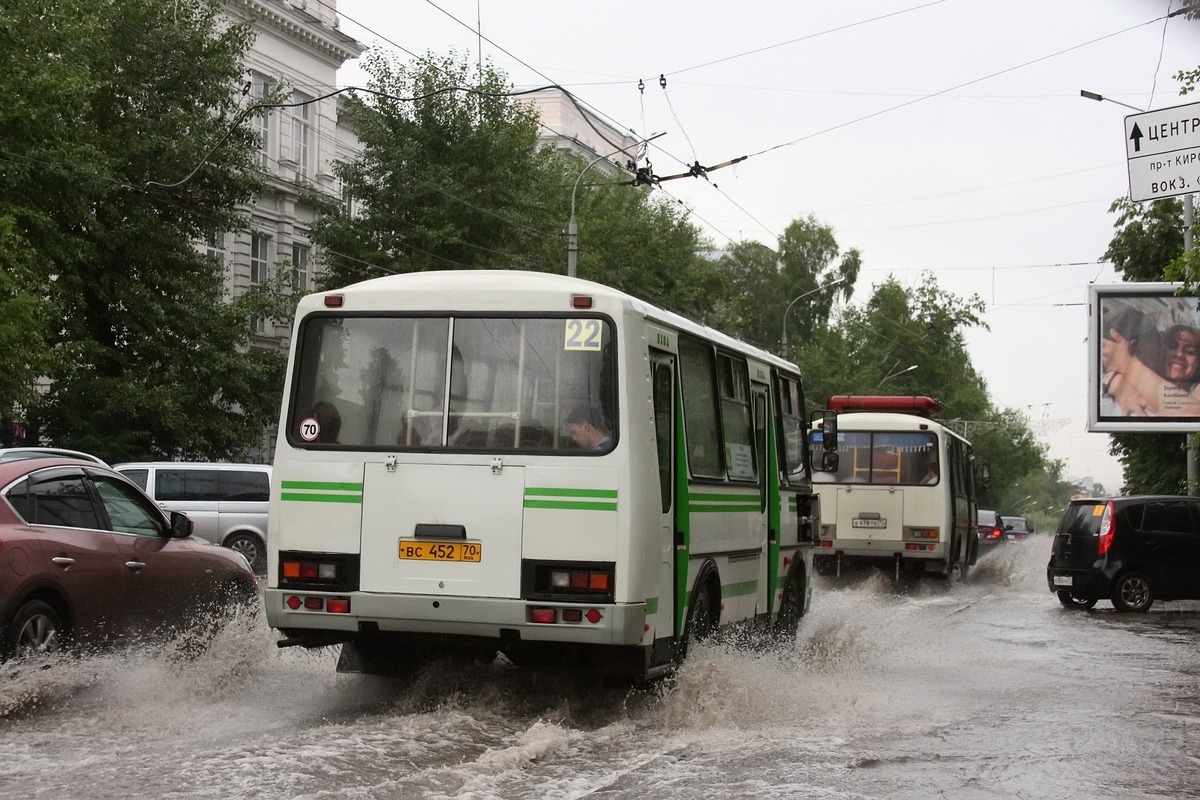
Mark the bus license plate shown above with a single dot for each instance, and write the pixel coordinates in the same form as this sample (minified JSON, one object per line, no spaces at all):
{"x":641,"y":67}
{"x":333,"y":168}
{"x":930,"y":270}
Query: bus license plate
{"x":868,"y":523}
{"x":440,"y":551}
{"x":1063,"y":580}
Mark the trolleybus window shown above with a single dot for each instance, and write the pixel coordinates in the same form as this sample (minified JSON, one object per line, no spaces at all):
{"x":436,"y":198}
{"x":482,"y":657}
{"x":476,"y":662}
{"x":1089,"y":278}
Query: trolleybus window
{"x":468,"y":383}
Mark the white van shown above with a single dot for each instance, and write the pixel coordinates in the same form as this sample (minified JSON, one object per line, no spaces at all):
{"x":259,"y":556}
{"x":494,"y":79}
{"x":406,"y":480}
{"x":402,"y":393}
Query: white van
{"x":226,"y":502}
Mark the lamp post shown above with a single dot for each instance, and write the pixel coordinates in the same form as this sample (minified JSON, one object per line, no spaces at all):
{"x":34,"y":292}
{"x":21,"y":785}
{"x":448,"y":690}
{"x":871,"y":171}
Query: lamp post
{"x":783,"y":329}
{"x":898,"y":372}
{"x":572,"y":226}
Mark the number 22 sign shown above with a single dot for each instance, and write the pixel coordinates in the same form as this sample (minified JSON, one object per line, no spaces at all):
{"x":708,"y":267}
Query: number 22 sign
{"x":584,"y":334}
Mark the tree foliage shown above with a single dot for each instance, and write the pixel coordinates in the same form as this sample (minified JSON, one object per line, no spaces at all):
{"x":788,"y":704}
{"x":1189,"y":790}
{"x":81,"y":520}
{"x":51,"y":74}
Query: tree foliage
{"x":449,"y":175}
{"x":452,"y":176}
{"x":796,"y":285}
{"x":108,"y":106}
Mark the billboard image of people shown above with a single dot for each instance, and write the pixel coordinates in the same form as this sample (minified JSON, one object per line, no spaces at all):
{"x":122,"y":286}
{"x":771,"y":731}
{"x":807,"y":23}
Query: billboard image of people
{"x":1145,"y":347}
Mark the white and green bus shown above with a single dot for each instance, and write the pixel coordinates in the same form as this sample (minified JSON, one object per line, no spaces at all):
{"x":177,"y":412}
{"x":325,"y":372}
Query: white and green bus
{"x":525,"y":463}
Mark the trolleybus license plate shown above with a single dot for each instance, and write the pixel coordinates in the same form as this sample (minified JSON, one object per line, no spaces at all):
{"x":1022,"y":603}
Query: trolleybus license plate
{"x":440,"y":551}
{"x":1063,"y":580}
{"x":868,"y":523}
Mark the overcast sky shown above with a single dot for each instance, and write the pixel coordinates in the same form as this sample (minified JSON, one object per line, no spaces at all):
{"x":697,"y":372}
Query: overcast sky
{"x":943,"y":137}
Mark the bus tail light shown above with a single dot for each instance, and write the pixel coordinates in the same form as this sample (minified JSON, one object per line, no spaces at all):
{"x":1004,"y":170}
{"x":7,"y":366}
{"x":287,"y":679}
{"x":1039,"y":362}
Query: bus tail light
{"x":327,"y":572}
{"x":579,"y":582}
{"x":330,"y":605}
{"x":546,"y":615}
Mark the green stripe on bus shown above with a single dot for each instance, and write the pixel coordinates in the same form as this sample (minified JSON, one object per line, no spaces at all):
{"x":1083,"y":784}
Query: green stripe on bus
{"x":725,"y":497}
{"x":695,"y":509}
{"x":546,"y":492}
{"x":323,"y":486}
{"x":651,"y":605}
{"x":570,"y":505}
{"x":313,"y":497}
{"x":739,"y":589}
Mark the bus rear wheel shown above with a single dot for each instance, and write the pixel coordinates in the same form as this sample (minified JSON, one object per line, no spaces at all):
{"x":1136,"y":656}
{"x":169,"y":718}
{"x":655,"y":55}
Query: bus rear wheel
{"x":791,"y":609}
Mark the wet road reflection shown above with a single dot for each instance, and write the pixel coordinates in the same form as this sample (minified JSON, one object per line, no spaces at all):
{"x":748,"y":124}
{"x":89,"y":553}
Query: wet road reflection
{"x":991,"y":689}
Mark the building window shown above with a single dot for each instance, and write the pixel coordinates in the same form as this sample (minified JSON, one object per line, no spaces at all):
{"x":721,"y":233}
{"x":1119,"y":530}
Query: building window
{"x":301,"y":132}
{"x":214,"y":248}
{"x":300,"y":276}
{"x":259,"y":260}
{"x":260,"y":88}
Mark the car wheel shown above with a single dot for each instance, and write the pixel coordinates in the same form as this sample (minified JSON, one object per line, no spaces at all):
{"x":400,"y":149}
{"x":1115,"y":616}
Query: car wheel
{"x":1071,"y":600}
{"x":252,"y":548}
{"x":36,"y":630}
{"x":1133,"y":592}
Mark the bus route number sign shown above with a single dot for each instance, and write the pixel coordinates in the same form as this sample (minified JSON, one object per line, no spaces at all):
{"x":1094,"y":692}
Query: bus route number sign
{"x":417,"y":550}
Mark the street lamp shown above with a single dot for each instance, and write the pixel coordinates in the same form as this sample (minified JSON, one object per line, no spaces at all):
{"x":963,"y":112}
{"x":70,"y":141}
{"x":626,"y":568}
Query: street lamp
{"x":783,"y":330}
{"x":894,"y":374}
{"x":1099,"y":98}
{"x":572,"y":227}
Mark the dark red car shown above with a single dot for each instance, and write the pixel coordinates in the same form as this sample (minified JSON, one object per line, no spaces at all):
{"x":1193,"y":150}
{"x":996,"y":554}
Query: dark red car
{"x":86,"y":557}
{"x":989,"y":529}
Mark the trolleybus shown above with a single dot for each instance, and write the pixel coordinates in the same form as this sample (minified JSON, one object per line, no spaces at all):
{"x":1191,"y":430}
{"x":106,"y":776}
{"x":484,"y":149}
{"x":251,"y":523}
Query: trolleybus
{"x":903,"y":494}
{"x":531,"y":464}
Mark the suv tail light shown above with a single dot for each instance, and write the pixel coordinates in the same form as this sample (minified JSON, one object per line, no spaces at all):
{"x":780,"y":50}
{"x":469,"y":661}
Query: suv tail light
{"x":1107,"y":524}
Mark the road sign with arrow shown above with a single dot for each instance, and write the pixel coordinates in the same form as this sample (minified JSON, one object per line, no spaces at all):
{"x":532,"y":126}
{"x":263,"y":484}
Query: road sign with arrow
{"x":1163,"y":148}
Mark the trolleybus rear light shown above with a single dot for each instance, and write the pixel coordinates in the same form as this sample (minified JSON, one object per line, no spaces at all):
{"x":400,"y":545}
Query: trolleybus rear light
{"x":293,"y":602}
{"x":572,"y":615}
{"x":581,"y":301}
{"x":314,"y":603}
{"x":543,"y":616}
{"x":334,"y":300}
{"x":593,"y":615}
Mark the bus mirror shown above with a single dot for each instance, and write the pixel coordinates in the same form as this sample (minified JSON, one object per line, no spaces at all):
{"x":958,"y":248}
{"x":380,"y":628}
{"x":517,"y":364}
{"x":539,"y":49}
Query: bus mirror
{"x":829,"y":461}
{"x":829,"y":432}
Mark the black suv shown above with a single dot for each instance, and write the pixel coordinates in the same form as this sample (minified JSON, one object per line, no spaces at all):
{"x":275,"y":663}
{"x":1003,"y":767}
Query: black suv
{"x":1131,"y":550}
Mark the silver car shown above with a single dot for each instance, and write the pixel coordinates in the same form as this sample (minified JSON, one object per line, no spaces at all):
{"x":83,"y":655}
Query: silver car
{"x":226,"y":502}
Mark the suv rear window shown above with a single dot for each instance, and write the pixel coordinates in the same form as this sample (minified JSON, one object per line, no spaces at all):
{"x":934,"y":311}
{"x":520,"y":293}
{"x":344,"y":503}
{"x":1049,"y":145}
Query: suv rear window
{"x":1082,"y":518}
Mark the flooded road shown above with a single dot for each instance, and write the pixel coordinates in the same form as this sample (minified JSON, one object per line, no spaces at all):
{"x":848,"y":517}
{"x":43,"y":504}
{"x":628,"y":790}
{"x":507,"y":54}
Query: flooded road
{"x":990,"y":690}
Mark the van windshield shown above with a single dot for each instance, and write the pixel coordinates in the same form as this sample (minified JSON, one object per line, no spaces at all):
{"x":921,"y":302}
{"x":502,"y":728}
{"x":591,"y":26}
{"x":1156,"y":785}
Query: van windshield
{"x":466,"y":383}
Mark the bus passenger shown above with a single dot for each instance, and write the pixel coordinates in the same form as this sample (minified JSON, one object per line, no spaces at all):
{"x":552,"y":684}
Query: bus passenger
{"x":329,"y":420}
{"x":587,"y":430}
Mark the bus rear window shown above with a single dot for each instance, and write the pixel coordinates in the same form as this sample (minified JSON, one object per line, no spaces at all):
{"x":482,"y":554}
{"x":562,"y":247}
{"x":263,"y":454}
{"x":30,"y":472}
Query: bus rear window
{"x":883,"y":457}
{"x":470,"y":383}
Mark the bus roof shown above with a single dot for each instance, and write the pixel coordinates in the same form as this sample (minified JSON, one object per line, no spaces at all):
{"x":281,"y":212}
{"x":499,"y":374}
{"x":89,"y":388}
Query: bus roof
{"x":483,"y":290}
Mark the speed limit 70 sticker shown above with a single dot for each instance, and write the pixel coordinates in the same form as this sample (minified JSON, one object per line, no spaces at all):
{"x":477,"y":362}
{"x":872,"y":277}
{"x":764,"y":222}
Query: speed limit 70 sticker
{"x":310,"y":429}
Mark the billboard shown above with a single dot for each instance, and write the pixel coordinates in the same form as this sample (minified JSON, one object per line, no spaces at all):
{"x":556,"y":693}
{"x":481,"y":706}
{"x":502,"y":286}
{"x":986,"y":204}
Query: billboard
{"x":1144,"y":358}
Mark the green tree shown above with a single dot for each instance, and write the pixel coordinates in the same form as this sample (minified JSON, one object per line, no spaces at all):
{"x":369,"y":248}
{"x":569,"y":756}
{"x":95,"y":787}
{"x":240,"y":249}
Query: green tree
{"x":449,"y":177}
{"x":110,"y":109}
{"x":801,"y":281}
{"x":452,"y":176}
{"x":633,"y":240}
